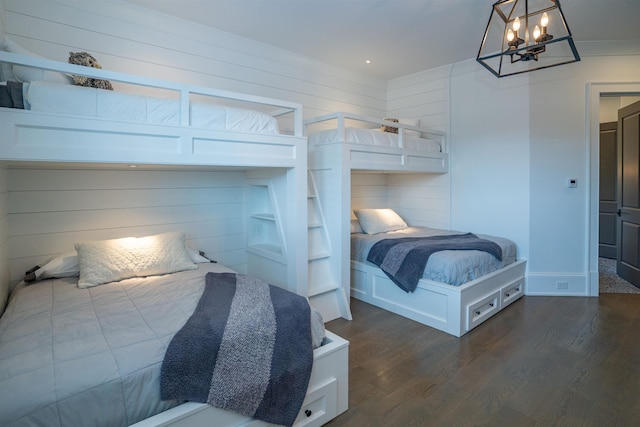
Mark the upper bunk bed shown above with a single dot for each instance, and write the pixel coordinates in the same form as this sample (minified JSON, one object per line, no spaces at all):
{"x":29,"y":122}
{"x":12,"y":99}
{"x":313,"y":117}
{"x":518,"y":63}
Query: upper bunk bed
{"x":161,"y":125}
{"x":367,"y":143}
{"x":185,"y":125}
{"x":353,"y":147}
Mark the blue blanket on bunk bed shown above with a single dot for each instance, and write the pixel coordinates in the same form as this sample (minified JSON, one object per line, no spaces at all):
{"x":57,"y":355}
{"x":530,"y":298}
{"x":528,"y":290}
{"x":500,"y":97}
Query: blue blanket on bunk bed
{"x":403,"y":260}
{"x":246,"y":348}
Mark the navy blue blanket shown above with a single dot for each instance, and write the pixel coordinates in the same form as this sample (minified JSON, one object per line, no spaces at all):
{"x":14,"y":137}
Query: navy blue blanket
{"x":246,"y":348}
{"x":403,"y":260}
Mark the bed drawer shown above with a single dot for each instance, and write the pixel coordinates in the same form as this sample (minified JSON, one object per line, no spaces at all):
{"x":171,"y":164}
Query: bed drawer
{"x":320,"y":405}
{"x":482,"y":309}
{"x":511,"y":292}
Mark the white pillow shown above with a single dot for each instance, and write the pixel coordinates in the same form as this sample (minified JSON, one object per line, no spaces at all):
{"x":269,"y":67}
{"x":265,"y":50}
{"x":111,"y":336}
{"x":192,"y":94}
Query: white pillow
{"x":355,"y":226}
{"x":375,"y":221}
{"x":117,"y":259}
{"x":66,"y":265}
{"x":24,"y":74}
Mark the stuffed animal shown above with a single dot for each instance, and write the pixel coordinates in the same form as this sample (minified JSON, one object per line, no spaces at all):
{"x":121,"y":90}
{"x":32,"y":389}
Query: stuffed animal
{"x":389,"y":129}
{"x":83,"y":58}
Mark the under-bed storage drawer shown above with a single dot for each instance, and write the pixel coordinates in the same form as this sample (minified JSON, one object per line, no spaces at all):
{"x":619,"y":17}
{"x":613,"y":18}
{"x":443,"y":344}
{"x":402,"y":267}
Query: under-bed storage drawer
{"x":511,"y":292}
{"x":482,"y":309}
{"x":320,"y":405}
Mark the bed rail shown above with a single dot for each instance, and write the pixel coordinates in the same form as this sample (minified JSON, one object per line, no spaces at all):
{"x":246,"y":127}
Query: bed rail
{"x":342,"y":118}
{"x":280,"y":107}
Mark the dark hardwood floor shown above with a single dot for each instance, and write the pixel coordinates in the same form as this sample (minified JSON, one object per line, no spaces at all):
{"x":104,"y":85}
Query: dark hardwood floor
{"x":543,"y":361}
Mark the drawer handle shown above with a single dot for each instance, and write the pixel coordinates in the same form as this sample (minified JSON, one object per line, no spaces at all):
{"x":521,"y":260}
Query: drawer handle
{"x":490,"y":304}
{"x":508,"y":294}
{"x":307,"y":412}
{"x":478,"y":312}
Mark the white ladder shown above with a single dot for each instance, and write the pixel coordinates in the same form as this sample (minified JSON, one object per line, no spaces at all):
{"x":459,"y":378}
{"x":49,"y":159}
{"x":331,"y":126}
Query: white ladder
{"x":326,"y":294}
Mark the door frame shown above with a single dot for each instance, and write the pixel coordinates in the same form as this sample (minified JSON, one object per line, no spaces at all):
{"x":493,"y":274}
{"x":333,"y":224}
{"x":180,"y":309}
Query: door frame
{"x":594,"y":91}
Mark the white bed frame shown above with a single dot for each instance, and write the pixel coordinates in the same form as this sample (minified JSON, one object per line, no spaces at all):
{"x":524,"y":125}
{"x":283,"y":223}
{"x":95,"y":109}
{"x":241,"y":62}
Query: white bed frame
{"x":330,"y":167}
{"x":452,"y":309}
{"x":49,"y":140}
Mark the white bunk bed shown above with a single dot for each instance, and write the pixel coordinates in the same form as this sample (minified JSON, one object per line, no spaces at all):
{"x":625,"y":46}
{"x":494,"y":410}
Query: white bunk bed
{"x":336,"y":151}
{"x":35,"y":138}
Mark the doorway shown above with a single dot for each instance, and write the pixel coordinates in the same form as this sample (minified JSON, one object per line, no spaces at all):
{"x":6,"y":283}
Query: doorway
{"x":597,"y":93}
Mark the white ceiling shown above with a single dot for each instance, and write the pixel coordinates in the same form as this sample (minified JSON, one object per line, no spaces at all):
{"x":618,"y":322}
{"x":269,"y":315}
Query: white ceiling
{"x":400,"y":37}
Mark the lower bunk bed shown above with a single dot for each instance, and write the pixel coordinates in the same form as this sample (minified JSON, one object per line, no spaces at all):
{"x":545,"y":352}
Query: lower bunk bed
{"x":147,"y":332}
{"x":448,"y":280}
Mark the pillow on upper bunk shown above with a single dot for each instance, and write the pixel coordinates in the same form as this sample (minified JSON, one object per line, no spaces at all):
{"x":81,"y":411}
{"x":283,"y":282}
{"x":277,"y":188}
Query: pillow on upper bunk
{"x":25,"y":74}
{"x":117,"y":259}
{"x":374,"y":221}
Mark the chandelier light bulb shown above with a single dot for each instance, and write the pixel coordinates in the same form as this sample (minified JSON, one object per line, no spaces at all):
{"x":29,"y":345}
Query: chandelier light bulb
{"x":516,"y":24}
{"x":536,"y":33}
{"x":510,"y":35}
{"x":544,"y":21}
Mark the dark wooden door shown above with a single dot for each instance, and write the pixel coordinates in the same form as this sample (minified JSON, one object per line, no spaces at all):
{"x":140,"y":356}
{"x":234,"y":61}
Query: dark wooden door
{"x":608,"y":235}
{"x":628,"y":257}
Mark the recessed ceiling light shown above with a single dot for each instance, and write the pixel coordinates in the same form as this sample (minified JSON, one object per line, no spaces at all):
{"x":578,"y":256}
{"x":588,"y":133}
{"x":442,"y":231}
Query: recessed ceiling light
{"x":368,"y":61}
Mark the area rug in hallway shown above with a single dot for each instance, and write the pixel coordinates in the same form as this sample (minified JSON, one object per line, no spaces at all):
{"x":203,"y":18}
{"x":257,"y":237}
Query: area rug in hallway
{"x":610,"y":282}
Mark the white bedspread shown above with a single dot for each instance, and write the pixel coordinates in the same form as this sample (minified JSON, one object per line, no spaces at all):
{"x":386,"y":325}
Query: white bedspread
{"x":92,"y":357}
{"x":451,"y":267}
{"x":114,"y":105}
{"x":373,"y":137}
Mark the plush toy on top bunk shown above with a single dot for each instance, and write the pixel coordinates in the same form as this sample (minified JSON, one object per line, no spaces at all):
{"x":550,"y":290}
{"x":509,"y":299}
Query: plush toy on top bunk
{"x":83,"y":58}
{"x":390,"y":129}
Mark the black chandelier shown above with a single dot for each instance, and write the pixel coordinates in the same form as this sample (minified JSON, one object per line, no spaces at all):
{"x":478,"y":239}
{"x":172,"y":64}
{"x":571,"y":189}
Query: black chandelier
{"x":526,"y":35}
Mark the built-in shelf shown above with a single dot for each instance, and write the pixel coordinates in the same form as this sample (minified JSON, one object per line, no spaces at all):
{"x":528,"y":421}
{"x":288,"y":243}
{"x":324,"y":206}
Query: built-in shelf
{"x":264,"y":234}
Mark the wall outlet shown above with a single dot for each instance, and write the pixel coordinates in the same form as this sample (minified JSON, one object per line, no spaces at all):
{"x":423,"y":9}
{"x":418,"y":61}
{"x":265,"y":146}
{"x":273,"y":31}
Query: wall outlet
{"x":562,"y":285}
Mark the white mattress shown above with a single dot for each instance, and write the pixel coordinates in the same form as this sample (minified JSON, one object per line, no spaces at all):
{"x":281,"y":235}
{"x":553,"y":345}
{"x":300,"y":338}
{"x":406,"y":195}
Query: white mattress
{"x":451,"y":267}
{"x":114,"y":105}
{"x":373,"y":137}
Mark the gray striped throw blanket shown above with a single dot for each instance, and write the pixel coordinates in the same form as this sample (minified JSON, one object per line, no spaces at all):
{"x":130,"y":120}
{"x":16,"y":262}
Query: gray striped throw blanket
{"x":403,"y":260}
{"x":246,"y":348}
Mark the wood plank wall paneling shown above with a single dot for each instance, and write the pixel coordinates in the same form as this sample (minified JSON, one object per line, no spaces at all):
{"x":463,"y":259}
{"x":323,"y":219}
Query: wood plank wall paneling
{"x":424,"y":96}
{"x":49,"y":210}
{"x":420,"y":199}
{"x":4,"y":238}
{"x":127,"y":38}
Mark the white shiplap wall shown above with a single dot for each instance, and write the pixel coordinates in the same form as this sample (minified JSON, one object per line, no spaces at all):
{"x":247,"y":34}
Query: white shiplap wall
{"x":51,"y":209}
{"x":127,"y":38}
{"x":420,"y":199}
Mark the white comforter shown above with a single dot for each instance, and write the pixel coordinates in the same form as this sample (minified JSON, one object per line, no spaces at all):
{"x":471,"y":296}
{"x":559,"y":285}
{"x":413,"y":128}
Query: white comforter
{"x":114,"y":105}
{"x":451,"y":267}
{"x":92,"y":357}
{"x":374,"y":137}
